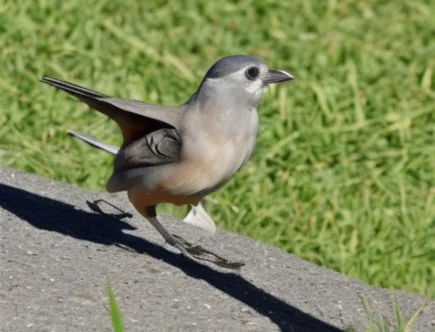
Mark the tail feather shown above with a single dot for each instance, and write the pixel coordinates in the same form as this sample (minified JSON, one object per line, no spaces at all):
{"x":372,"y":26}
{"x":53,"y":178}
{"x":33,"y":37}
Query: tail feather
{"x":73,"y":89}
{"x":134,"y":118}
{"x":93,"y":142}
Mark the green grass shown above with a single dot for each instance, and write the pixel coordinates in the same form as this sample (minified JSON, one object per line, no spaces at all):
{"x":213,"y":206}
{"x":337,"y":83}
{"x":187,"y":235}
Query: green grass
{"x":377,"y":323}
{"x":344,"y":170}
{"x":114,"y":312}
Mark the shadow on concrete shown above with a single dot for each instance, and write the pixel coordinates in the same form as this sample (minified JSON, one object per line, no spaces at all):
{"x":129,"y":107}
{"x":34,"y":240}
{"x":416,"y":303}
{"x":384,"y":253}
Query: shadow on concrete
{"x":52,"y":215}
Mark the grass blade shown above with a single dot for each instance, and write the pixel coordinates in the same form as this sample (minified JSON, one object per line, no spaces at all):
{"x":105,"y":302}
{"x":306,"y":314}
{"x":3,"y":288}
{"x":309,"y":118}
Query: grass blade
{"x":115,"y":314}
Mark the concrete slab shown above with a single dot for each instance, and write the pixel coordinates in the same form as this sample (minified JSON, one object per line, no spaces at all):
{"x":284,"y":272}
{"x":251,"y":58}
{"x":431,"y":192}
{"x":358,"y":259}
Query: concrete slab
{"x":55,"y":254}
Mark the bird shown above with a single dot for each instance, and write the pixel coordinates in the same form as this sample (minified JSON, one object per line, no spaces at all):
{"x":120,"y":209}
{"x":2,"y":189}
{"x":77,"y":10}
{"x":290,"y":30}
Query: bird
{"x":180,"y":154}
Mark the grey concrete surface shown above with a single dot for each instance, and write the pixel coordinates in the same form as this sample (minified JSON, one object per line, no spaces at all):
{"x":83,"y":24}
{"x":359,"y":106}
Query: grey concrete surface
{"x":56,"y":252}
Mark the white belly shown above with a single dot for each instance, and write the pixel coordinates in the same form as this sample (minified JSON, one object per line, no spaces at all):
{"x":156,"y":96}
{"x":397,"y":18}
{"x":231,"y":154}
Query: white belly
{"x":208,"y":161}
{"x":228,"y":160}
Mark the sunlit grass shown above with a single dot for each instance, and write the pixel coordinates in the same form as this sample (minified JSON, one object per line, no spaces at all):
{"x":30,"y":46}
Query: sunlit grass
{"x":378,"y":323}
{"x":114,"y":311}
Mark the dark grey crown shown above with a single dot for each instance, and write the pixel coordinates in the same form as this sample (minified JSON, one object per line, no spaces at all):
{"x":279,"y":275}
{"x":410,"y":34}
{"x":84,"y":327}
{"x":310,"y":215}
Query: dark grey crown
{"x":230,"y":64}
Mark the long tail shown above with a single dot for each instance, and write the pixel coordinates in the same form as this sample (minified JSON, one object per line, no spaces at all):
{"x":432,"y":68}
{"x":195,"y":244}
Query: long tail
{"x":134,"y":118}
{"x":93,"y":142}
{"x":93,"y":99}
{"x":73,"y":89}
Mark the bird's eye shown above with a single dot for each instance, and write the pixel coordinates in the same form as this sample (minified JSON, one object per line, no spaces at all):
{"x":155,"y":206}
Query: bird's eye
{"x":252,"y":72}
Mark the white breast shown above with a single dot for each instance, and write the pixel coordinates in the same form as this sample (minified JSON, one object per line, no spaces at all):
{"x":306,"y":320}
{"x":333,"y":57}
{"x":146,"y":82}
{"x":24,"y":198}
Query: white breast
{"x":208,"y":160}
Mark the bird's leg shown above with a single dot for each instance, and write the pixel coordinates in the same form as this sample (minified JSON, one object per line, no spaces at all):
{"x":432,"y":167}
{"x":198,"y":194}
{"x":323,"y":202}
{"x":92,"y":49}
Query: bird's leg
{"x":151,"y":216}
{"x":186,"y":248}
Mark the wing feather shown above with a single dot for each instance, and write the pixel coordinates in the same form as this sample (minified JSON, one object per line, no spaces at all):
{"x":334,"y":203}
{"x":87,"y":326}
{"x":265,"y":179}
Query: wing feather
{"x":135,"y":118}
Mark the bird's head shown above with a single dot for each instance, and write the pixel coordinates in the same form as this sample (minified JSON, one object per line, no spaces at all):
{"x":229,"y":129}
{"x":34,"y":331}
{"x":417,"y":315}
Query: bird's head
{"x":240,"y":78}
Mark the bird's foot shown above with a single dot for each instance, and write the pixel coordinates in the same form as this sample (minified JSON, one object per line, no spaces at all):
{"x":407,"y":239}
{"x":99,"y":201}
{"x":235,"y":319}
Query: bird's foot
{"x":196,"y":252}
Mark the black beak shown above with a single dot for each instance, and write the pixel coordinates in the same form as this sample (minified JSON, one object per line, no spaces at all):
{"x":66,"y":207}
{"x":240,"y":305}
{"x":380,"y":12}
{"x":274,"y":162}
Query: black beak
{"x":277,"y":76}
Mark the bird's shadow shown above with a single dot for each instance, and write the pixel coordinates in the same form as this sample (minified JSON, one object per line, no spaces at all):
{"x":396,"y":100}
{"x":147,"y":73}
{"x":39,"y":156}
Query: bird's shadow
{"x":53,"y":215}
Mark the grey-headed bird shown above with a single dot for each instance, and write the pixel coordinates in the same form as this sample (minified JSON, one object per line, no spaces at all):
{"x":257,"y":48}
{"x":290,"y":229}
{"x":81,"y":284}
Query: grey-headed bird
{"x":180,"y":154}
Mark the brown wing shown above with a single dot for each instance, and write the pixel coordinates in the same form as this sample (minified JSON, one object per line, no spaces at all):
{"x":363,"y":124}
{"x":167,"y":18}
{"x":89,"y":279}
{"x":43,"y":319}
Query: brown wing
{"x":136,"y":160}
{"x":135,"y":118}
{"x":159,"y":147}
